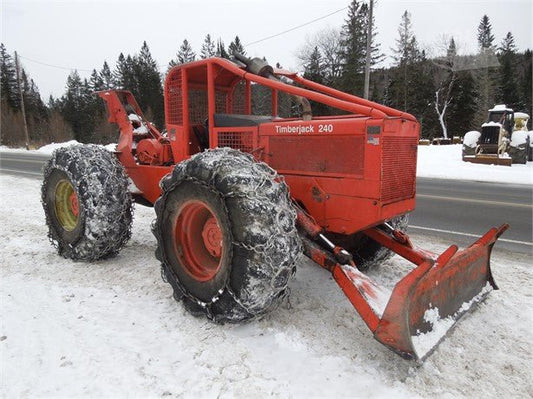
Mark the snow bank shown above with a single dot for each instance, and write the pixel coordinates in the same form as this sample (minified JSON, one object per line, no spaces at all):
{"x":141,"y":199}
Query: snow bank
{"x":519,"y":138}
{"x":471,"y":138}
{"x":444,"y":162}
{"x":112,"y":329}
{"x":50,"y":148}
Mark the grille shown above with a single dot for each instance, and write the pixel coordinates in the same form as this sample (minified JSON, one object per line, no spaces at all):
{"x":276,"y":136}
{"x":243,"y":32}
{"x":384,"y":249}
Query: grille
{"x":220,"y":101}
{"x":239,"y":98}
{"x":174,"y":100}
{"x":197,"y":106}
{"x":318,"y":154}
{"x":261,"y":100}
{"x":398,"y":173}
{"x":490,"y":135}
{"x":238,"y":140}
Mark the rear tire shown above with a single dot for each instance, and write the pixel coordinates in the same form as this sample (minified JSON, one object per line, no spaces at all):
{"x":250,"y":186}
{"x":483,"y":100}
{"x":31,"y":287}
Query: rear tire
{"x":244,"y":272}
{"x":86,"y":202}
{"x":519,"y":154}
{"x":366,"y":252}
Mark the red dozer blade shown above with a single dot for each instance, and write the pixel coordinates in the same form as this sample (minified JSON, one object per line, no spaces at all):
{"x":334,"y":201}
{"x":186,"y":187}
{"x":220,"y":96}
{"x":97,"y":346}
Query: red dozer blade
{"x":427,"y":302}
{"x":423,"y":306}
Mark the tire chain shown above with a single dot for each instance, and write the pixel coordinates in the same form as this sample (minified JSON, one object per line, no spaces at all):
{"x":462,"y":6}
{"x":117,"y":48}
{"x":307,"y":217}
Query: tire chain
{"x":92,"y":157}
{"x":170,"y":277}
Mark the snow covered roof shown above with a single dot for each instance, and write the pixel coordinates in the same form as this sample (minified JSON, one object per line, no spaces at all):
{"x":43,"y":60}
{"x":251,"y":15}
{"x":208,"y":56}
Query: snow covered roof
{"x":491,"y":123}
{"x":521,"y":115}
{"x":500,"y":108}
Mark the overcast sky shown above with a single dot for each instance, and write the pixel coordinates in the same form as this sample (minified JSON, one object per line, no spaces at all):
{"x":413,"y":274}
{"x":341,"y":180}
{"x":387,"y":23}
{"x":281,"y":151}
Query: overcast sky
{"x":82,"y":34}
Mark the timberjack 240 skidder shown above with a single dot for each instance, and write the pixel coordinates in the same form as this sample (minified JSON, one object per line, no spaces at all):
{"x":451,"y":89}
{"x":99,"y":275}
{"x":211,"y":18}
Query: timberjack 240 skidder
{"x":240,"y":189}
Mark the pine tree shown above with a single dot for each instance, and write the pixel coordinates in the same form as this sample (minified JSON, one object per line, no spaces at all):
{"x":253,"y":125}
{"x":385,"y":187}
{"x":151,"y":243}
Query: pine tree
{"x":185,"y":54}
{"x":124,"y":73}
{"x":314,"y":68}
{"x":354,"y":37}
{"x":527,"y":83}
{"x":354,"y":48}
{"x":36,"y":112}
{"x":407,"y":54}
{"x":221,"y":50}
{"x":485,"y":38}
{"x":508,"y":89}
{"x":8,"y":79}
{"x":208,"y":48}
{"x":411,"y":86}
{"x":487,"y":75}
{"x":107,"y":77}
{"x":451,"y":51}
{"x":236,"y":47}
{"x":76,"y":108}
{"x":150,"y":89}
{"x":96,"y":83}
{"x":406,"y":50}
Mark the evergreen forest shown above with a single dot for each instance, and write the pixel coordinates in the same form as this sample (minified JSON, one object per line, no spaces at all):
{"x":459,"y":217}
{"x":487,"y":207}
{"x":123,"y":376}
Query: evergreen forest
{"x":449,"y":92}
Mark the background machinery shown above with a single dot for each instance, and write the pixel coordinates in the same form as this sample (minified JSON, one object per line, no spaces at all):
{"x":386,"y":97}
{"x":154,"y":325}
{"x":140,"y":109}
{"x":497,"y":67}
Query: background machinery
{"x":504,"y":139}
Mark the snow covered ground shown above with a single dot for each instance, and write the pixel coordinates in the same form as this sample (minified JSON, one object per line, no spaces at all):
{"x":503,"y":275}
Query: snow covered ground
{"x":112,"y":329}
{"x":444,"y":162}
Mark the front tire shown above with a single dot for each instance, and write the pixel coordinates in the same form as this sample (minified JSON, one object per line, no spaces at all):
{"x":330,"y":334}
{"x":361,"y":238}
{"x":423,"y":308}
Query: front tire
{"x":226,"y":235}
{"x":519,"y":154}
{"x":86,"y":202}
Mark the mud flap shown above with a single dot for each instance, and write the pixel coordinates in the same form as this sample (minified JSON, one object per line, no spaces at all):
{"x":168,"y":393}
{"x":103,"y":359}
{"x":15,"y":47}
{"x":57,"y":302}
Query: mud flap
{"x":426,"y":303}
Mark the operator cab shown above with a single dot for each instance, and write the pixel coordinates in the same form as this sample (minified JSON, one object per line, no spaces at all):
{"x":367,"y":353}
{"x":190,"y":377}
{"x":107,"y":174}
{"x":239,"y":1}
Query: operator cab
{"x":502,"y":115}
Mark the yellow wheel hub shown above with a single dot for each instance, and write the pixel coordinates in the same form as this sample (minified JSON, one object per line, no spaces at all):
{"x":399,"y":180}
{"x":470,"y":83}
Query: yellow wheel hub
{"x":66,"y":204}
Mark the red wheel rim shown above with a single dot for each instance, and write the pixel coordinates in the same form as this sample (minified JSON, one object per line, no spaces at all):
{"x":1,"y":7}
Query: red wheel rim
{"x":74,"y":206}
{"x":198,"y":240}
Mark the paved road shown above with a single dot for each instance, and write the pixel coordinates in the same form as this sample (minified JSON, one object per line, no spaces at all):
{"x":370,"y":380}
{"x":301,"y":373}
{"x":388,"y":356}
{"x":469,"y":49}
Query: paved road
{"x":29,"y":164}
{"x":456,"y":211}
{"x":460,"y":211}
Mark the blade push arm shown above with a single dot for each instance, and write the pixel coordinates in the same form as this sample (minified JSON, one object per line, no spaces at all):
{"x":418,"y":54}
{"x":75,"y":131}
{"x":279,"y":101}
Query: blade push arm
{"x":415,"y":316}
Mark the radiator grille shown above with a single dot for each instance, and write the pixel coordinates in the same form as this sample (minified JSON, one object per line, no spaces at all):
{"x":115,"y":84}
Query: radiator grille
{"x":398,"y":173}
{"x":490,"y":135}
{"x":238,"y":140}
{"x":320,"y":154}
{"x":174,"y":100}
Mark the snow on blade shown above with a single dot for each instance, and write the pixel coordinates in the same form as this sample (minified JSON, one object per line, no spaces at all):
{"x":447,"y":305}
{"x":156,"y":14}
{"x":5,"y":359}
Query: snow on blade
{"x":377,"y":297}
{"x":425,"y":342}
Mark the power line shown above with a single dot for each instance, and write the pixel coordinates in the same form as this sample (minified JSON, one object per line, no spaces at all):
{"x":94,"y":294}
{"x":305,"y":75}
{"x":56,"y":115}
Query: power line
{"x":55,"y":66}
{"x":247,"y":44}
{"x":296,"y":27}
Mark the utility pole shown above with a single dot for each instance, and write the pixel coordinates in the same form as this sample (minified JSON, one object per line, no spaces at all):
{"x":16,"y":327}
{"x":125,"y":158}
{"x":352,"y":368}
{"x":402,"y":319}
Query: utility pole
{"x":22,"y":102}
{"x":368,"y":47}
